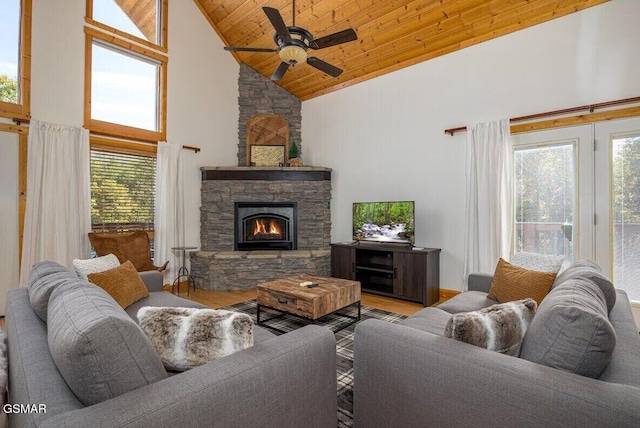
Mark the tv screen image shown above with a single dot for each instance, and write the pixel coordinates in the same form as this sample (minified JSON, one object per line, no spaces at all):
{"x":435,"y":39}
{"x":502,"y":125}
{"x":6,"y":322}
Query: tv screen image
{"x":384,"y":222}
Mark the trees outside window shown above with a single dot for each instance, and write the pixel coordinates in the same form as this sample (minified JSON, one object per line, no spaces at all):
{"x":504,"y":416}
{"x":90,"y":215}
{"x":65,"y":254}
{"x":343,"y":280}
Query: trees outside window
{"x":15,"y":58}
{"x":545,"y":198}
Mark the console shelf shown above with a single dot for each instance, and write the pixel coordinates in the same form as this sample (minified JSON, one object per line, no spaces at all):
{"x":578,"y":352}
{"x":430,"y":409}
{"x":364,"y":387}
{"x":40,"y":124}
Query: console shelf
{"x":390,"y":270}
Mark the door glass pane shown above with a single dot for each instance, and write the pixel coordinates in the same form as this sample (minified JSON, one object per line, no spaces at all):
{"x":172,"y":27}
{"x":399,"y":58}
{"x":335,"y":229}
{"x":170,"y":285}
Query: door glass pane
{"x":136,"y":17}
{"x":545,"y":199}
{"x":124,"y":88}
{"x":9,"y":50}
{"x":626,"y":214}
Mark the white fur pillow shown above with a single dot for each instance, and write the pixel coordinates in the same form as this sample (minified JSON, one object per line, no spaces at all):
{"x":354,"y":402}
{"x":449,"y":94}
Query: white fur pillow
{"x":4,"y":419}
{"x":189,"y":337}
{"x":499,"y":328}
{"x":95,"y":265}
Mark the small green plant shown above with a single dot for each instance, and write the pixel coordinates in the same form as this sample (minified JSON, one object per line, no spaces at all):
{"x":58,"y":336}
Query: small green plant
{"x":293,"y":149}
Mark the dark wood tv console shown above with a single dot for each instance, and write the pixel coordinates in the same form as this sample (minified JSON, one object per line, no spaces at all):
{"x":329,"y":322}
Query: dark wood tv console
{"x":390,"y":270}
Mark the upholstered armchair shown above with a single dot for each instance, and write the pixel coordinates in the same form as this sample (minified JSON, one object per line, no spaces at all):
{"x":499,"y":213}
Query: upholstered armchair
{"x":132,"y":246}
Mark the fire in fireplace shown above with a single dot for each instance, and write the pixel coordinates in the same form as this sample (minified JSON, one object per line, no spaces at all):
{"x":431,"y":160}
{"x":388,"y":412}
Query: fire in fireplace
{"x":265,"y":225}
{"x":266,"y":229}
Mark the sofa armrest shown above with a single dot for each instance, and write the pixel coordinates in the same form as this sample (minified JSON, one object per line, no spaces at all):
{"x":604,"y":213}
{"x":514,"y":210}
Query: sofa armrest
{"x":479,"y":282}
{"x":152,"y":279}
{"x":407,"y":377}
{"x":287,"y":381}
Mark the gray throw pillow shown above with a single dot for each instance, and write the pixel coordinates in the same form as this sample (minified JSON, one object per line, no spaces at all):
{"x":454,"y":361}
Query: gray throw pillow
{"x":497,"y":328}
{"x":98,"y":349}
{"x":589,"y":270}
{"x":189,"y":337}
{"x":43,"y":279}
{"x":571,"y":330}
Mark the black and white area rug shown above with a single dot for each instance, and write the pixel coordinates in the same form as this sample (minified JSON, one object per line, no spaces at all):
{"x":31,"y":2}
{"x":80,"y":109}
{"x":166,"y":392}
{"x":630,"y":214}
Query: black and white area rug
{"x":344,"y":345}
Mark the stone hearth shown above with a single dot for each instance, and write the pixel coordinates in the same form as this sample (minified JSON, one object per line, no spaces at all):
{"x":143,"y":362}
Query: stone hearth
{"x":222,"y":268}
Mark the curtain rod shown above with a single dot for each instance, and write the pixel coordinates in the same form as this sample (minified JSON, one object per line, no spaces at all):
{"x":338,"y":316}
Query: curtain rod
{"x":19,"y":121}
{"x":590,"y":107}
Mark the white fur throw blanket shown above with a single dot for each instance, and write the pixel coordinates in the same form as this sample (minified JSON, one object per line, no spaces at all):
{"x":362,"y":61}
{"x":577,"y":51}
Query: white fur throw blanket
{"x":188,"y":337}
{"x":499,"y":328}
{"x":4,"y":420}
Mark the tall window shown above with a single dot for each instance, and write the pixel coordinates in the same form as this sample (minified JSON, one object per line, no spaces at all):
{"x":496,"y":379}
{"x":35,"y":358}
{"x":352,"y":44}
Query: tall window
{"x":122,"y":190}
{"x":15,"y":54}
{"x":124,"y":87}
{"x":626,"y":214}
{"x":125,"y":98}
{"x":126,"y":69}
{"x":144,"y":21}
{"x":545,"y":183}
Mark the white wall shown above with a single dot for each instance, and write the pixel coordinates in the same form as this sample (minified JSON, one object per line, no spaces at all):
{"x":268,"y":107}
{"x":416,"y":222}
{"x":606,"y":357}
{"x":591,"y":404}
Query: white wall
{"x":384,"y":137}
{"x":202,"y":86}
{"x":9,"y":257}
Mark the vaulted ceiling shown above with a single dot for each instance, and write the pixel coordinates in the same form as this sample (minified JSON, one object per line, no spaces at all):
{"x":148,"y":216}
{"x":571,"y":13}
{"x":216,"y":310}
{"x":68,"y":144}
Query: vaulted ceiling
{"x":391,"y":34}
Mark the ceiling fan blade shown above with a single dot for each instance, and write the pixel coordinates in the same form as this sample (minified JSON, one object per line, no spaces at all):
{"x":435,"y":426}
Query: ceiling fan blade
{"x":321,"y":65}
{"x":244,"y":49}
{"x":343,"y":36}
{"x":278,"y":23}
{"x":282,"y":68}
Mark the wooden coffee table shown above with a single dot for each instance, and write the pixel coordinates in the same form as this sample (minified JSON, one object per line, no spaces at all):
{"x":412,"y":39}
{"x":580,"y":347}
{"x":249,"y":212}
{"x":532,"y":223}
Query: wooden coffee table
{"x":287,"y":297}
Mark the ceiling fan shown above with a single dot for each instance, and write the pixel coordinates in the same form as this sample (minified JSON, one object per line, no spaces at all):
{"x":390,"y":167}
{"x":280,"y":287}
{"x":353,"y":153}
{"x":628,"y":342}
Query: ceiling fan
{"x":293,"y":43}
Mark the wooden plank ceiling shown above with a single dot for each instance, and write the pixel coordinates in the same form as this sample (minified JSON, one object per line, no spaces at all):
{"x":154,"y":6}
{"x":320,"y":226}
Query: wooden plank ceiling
{"x":391,"y":34}
{"x":143,"y":13}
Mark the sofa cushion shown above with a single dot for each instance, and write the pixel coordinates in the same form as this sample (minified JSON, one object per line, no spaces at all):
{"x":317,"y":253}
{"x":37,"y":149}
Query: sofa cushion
{"x":515,"y":283}
{"x":432,"y":320}
{"x":43,"y":279}
{"x":467,"y":302}
{"x":571,"y":330}
{"x":94,"y":265}
{"x":98,"y":349}
{"x":499,"y":328}
{"x":122,"y":283}
{"x":589,"y":270}
{"x":187,"y":337}
{"x":538,"y":262}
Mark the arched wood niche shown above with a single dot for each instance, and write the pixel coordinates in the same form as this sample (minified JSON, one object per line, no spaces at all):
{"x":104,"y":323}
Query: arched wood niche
{"x":267,"y":140}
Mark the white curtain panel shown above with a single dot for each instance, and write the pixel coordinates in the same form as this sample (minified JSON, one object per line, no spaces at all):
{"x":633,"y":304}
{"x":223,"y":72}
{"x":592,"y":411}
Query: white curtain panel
{"x":58,"y":205}
{"x":169,"y":221}
{"x":489,"y":196}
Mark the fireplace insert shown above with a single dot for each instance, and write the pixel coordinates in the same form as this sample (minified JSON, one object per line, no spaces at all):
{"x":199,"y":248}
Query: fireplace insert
{"x":265,"y":226}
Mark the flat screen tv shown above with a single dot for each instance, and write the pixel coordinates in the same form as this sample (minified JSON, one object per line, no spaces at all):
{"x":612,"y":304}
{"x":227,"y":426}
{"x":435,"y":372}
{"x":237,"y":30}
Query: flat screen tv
{"x":391,"y":222}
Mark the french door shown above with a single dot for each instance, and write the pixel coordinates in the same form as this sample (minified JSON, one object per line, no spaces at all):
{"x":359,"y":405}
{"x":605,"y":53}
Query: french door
{"x":617,"y":204}
{"x":577,"y":193}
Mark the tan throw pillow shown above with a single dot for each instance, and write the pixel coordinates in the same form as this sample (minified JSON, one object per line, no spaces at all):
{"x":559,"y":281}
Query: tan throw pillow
{"x":499,"y":328}
{"x":122,"y":283}
{"x":515,"y":283}
{"x":187,"y":337}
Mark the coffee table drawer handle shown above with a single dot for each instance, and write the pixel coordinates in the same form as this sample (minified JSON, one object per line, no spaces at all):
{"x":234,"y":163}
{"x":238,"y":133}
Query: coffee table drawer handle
{"x":284,"y":301}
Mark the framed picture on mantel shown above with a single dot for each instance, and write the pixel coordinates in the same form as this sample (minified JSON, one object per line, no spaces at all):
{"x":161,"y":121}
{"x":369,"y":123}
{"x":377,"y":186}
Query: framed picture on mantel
{"x":267,"y":140}
{"x":267,"y":155}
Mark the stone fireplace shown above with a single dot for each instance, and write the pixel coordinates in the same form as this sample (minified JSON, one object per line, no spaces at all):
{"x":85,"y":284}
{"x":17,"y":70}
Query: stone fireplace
{"x":295,"y":201}
{"x":262,"y":223}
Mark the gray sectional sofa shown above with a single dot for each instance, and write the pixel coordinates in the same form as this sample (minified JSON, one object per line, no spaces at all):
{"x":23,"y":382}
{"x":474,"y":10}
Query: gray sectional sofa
{"x":409,"y":375}
{"x":281,"y":381}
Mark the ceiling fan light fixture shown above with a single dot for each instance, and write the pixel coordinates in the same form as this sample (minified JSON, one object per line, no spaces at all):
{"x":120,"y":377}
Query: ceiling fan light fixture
{"x":293,"y":54}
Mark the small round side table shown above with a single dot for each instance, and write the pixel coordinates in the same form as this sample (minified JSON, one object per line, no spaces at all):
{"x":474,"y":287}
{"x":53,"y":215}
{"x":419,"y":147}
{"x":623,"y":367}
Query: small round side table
{"x":183,"y":272}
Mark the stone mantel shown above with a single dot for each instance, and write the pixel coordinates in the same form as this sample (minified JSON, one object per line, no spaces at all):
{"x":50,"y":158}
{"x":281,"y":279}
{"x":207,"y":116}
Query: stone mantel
{"x":303,"y":173}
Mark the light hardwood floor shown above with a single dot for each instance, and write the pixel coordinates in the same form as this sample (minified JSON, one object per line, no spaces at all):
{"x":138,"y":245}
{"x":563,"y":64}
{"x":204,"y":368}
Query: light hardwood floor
{"x":218,"y":299}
